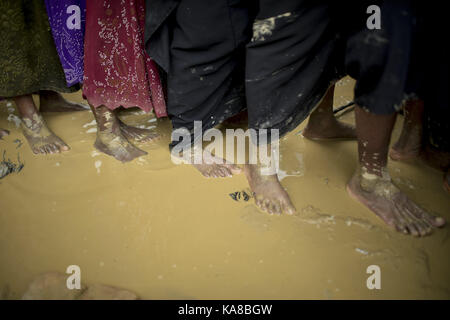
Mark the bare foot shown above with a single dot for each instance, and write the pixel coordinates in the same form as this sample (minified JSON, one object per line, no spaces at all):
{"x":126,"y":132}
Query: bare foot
{"x":3,"y":133}
{"x":388,"y":202}
{"x":40,"y":137}
{"x":111,"y":141}
{"x":138,"y":134}
{"x":214,"y":167}
{"x":50,"y":101}
{"x":408,"y":145}
{"x":329,"y":129}
{"x":323,"y":125}
{"x":117,"y":145}
{"x":269,"y":194}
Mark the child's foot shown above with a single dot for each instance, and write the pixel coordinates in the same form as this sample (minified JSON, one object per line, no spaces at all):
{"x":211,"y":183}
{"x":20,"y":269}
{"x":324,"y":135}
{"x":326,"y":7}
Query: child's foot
{"x":110,"y":138}
{"x":116,"y":145}
{"x":269,"y":194}
{"x":214,"y":167}
{"x":388,"y":202}
{"x":138,"y":134}
{"x":329,"y":129}
{"x":41,"y":139}
{"x":51,"y":101}
{"x":408,"y":145}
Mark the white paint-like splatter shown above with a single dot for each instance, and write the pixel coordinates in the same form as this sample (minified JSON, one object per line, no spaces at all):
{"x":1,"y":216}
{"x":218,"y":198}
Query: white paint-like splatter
{"x":15,"y":119}
{"x":90,"y":124}
{"x":98,"y":164}
{"x":264,"y":28}
{"x":364,"y":252}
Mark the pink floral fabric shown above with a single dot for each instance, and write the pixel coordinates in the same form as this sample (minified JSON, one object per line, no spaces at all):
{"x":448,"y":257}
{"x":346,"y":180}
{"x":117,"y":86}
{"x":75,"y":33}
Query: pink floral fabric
{"x":117,"y":70}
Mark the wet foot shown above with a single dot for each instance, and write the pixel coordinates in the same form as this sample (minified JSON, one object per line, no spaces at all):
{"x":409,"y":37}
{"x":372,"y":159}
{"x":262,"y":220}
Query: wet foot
{"x":408,"y":145}
{"x":138,"y":134}
{"x":269,"y":194}
{"x":3,"y":133}
{"x":51,"y":101}
{"x":214,"y":167}
{"x":110,"y":138}
{"x":117,"y":145}
{"x":388,"y":202}
{"x":114,"y":143}
{"x":329,"y":129}
{"x":41,"y":139}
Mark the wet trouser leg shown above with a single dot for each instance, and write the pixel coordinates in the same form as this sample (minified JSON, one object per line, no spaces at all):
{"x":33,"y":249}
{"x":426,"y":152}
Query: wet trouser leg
{"x":205,"y":79}
{"x":290,"y":62}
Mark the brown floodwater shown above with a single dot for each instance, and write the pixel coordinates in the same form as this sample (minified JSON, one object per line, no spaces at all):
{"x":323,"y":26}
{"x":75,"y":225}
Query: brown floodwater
{"x":166,"y":232}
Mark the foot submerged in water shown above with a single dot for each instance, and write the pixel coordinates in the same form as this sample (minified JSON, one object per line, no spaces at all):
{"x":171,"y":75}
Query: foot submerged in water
{"x":382,"y":197}
{"x":117,"y":146}
{"x":40,"y":138}
{"x":214,"y":167}
{"x":268,"y":192}
{"x":111,"y":140}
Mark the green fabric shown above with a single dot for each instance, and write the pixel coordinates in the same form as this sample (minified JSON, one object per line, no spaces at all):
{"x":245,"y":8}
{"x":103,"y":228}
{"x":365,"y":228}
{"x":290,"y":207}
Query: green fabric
{"x":29,"y":61}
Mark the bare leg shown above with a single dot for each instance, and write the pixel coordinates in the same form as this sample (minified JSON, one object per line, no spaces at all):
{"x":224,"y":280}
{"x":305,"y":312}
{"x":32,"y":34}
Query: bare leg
{"x":110,"y":138}
{"x":371,"y":184}
{"x":409,"y":143}
{"x":269,"y":194}
{"x":51,"y":101}
{"x":40,"y":137}
{"x":322,"y":124}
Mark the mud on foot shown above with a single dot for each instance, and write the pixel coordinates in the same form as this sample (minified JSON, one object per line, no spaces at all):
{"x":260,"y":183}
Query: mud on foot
{"x":138,"y":134}
{"x":382,"y":197}
{"x":214,"y":167}
{"x":269,"y":194}
{"x":41,"y":139}
{"x":116,"y":145}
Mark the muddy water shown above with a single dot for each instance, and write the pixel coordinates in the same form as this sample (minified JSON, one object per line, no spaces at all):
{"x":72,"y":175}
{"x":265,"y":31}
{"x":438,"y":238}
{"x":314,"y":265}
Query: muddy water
{"x":165,"y":232}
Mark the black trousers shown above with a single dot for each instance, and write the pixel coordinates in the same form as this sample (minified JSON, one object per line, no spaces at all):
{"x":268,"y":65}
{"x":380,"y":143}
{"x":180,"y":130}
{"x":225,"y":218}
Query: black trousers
{"x":278,"y":57}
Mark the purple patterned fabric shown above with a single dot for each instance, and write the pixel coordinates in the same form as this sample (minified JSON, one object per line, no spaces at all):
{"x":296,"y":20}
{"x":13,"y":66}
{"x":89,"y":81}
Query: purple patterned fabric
{"x":67,"y":20}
